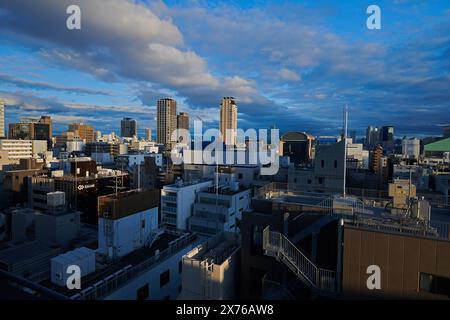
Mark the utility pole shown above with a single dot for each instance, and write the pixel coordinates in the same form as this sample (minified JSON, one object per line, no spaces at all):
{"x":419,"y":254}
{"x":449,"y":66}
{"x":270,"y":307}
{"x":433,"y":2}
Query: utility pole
{"x":345,"y":148}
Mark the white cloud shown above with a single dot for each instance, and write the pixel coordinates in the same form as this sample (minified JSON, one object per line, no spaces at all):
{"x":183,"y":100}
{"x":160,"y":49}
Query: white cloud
{"x":288,"y":75}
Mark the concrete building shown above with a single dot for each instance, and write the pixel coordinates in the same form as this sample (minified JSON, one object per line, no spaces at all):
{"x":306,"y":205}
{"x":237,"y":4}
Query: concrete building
{"x":177,"y":202}
{"x":38,"y":188}
{"x":329,"y":244}
{"x":357,"y":157}
{"x":183,"y":121}
{"x":228,"y":120}
{"x":387,"y":138}
{"x":437,"y":148}
{"x":23,"y":149}
{"x":210,"y":271}
{"x":411,"y":148}
{"x":32,"y":129}
{"x":442,"y":184}
{"x":220,"y":209}
{"x":84,"y":131}
{"x":298,"y":146}
{"x":166,"y":120}
{"x":148,"y":134}
{"x":245,"y":174}
{"x":2,"y":119}
{"x":128,"y":128}
{"x":372,"y":137}
{"x":127,"y":222}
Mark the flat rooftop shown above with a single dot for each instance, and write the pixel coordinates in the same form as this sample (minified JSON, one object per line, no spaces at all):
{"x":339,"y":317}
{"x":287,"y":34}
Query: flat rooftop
{"x":137,"y":257}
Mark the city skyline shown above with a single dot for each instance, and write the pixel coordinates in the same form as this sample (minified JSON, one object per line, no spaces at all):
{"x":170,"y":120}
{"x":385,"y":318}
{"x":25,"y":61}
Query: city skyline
{"x":292,"y":65}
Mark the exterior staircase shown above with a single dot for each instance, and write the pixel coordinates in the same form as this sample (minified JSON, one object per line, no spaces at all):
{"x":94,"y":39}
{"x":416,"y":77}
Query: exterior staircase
{"x":320,"y":281}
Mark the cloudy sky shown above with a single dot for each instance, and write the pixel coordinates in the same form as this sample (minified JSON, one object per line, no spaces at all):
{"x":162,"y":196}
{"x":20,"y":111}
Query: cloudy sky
{"x":293,"y":64}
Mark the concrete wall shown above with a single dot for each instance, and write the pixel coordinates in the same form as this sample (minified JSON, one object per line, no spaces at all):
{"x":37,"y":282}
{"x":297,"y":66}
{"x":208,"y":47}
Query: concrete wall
{"x":152,"y":278}
{"x":400,"y":258}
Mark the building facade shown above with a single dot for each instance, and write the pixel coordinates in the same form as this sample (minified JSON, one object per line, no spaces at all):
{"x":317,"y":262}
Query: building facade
{"x":128,"y":128}
{"x":166,"y":120}
{"x":228,"y":120}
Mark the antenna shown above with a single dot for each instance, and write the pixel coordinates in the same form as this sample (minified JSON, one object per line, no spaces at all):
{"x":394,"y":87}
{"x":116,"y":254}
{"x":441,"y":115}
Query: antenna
{"x":345,"y":148}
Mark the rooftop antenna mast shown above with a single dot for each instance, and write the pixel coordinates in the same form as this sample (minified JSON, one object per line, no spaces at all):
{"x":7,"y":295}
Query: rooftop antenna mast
{"x":345,"y":116}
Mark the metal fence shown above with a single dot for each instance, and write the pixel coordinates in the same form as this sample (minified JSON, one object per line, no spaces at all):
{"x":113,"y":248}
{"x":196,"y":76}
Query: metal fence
{"x":318,"y":278}
{"x":123,"y":276}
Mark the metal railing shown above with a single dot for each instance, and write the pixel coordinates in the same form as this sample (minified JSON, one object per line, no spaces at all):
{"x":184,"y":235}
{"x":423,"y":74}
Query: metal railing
{"x":433,"y":229}
{"x":276,"y":244}
{"x":125,"y":275}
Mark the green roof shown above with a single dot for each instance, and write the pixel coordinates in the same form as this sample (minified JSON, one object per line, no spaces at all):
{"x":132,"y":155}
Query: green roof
{"x":439,"y":146}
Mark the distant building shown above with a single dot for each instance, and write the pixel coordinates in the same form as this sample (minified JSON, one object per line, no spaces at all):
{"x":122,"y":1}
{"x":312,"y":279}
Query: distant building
{"x":372,"y":137}
{"x":177,"y":202}
{"x":85,"y":132}
{"x":218,"y":210}
{"x":126,"y":222}
{"x":22,"y":149}
{"x":228,"y":120}
{"x":411,"y":148}
{"x":2,"y":119}
{"x":210,"y":270}
{"x":32,"y":129}
{"x":166,"y":120}
{"x":148,"y":134}
{"x":128,"y":128}
{"x":387,"y":138}
{"x":437,"y":148}
{"x":183,"y":121}
{"x":298,"y":146}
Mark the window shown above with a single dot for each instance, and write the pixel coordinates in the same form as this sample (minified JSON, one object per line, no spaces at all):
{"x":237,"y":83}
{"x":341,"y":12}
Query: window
{"x":295,"y":180}
{"x":164,"y":278}
{"x":322,"y":163}
{"x":335,"y":164}
{"x":434,"y":284}
{"x":180,"y":266}
{"x":309,"y":181}
{"x":143,"y":224}
{"x":142,"y":292}
{"x":180,"y":288}
{"x":239,"y":175}
{"x":320,"y":180}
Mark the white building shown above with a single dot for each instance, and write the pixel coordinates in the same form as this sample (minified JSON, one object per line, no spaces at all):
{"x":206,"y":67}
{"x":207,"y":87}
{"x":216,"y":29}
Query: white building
{"x":219,"y":209}
{"x":411,"y":148}
{"x":177,"y":201}
{"x":2,"y":119}
{"x":23,"y":149}
{"x":127,"y":221}
{"x":131,"y":160}
{"x":75,"y":145}
{"x":210,"y":270}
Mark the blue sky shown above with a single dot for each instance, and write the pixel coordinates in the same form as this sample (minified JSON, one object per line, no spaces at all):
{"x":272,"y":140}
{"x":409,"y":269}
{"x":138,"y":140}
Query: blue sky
{"x":292,"y":64}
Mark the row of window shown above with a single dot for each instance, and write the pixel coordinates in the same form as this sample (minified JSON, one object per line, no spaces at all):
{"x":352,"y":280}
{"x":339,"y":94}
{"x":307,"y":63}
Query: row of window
{"x":164,"y":278}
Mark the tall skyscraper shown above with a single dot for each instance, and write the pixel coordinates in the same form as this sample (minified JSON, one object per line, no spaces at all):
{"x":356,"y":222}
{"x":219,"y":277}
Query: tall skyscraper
{"x":228,"y":120}
{"x":166,"y":120}
{"x":183,"y":121}
{"x":128,"y":128}
{"x":32,"y":129}
{"x":148,"y":134}
{"x":2,"y":119}
{"x":372,"y":137}
{"x":85,"y":132}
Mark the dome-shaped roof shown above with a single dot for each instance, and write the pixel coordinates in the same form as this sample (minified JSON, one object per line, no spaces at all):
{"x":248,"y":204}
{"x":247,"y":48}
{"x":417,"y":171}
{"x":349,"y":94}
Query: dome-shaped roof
{"x":296,"y":136}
